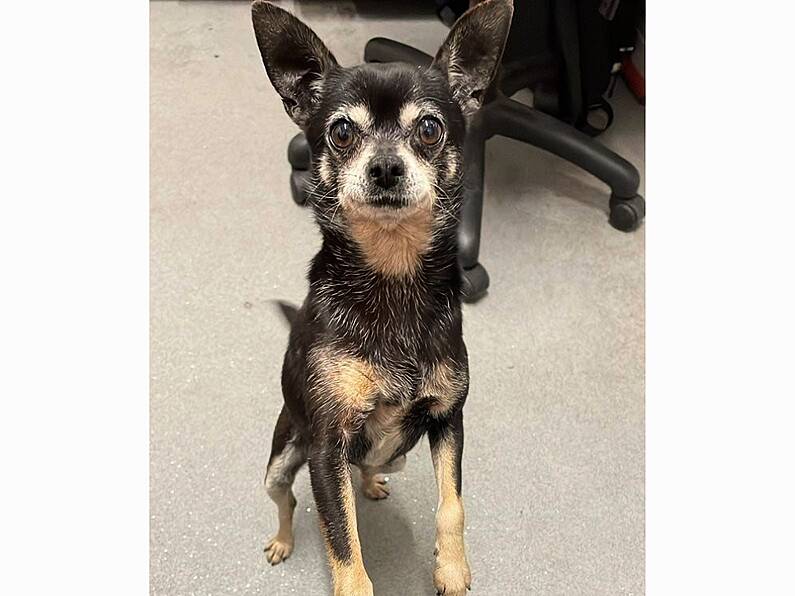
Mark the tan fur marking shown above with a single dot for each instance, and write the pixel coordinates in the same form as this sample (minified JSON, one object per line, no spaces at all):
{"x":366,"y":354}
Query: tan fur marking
{"x":326,"y":174}
{"x":350,"y":383}
{"x":374,"y":486}
{"x":360,"y":116}
{"x":452,"y":575}
{"x":452,"y":170}
{"x":278,"y":484}
{"x":409,"y":114}
{"x":349,"y":579}
{"x":355,"y":382}
{"x":393,"y":248}
{"x":280,"y":547}
{"x":445,"y":383}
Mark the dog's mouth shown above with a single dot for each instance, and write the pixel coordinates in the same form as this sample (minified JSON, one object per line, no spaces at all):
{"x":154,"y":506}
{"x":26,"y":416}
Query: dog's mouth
{"x":387,"y":209}
{"x":386,"y":206}
{"x":388,"y":201}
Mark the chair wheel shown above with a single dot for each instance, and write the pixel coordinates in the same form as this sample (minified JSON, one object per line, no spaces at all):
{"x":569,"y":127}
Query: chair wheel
{"x":298,"y":152}
{"x":626,"y":214}
{"x":299,"y":186}
{"x":475,"y":282}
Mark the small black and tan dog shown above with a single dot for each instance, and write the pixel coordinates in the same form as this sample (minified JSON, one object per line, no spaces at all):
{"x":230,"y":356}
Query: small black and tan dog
{"x":376,"y":356}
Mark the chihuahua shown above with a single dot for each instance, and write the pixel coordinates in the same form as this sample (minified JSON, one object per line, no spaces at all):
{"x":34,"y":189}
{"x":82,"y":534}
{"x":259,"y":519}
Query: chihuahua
{"x":376,"y":357}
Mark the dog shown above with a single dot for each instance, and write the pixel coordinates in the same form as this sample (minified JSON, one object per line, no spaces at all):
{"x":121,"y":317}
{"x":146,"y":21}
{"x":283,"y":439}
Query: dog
{"x":376,"y":357}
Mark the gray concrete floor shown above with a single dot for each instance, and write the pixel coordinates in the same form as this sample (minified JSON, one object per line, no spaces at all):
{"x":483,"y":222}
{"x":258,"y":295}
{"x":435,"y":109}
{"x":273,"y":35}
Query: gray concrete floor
{"x":554,"y":458}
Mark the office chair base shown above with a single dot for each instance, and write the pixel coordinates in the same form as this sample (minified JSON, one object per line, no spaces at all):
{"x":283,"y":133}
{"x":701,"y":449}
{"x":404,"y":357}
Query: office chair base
{"x":474,"y":283}
{"x":626,"y":214}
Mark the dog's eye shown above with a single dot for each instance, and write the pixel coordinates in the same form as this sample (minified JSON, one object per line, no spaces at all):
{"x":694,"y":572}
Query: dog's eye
{"x":430,"y":130}
{"x":342,"y":134}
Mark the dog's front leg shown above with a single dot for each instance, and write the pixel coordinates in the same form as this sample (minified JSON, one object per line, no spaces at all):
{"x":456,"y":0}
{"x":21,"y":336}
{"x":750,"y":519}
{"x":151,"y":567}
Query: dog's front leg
{"x":330,"y":474}
{"x":451,"y":576}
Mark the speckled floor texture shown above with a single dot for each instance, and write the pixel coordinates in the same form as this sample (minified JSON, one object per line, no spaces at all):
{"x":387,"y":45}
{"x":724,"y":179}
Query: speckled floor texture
{"x":554,"y":457}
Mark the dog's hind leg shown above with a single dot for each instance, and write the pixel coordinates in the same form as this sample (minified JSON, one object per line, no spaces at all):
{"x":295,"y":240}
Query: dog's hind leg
{"x":288,"y":454}
{"x":374,"y":479}
{"x":374,"y":484}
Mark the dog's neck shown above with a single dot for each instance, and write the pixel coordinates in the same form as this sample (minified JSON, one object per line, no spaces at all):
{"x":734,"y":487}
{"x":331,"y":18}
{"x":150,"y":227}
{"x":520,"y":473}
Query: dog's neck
{"x":395,"y":248}
{"x":410,"y":270}
{"x":399,"y":252}
{"x":416,"y":252}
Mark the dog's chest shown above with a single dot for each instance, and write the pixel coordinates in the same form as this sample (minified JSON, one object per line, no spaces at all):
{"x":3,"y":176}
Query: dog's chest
{"x":383,"y":403}
{"x":388,"y":427}
{"x":384,"y":432}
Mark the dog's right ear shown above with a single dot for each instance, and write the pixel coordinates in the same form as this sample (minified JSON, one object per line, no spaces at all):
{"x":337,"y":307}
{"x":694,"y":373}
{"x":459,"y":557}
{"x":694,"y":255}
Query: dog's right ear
{"x":295,"y":59}
{"x":472,"y":51}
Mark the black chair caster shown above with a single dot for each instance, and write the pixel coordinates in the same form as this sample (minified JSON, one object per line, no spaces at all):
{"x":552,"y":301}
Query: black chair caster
{"x":626,"y":214}
{"x":475,"y":282}
{"x":300,"y":158}
{"x":299,"y":186}
{"x":298,"y":152}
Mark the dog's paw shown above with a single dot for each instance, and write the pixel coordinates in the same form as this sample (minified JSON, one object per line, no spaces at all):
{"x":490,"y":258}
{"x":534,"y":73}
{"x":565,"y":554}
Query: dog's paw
{"x":375,"y":487}
{"x":357,"y":584}
{"x":278,"y":550}
{"x":452,"y":578}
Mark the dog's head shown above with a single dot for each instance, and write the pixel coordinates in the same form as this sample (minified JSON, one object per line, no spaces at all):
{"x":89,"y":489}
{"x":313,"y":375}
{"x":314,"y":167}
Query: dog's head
{"x":387,"y":139}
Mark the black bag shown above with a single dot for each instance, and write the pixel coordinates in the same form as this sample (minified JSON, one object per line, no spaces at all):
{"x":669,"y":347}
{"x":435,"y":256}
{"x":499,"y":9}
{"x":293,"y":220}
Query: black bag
{"x":585,"y":40}
{"x":607,"y":30}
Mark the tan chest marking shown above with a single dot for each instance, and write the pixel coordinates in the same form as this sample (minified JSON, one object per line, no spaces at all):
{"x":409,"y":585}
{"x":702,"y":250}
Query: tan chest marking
{"x":346,"y":385}
{"x":394,"y":249}
{"x":445,"y":382}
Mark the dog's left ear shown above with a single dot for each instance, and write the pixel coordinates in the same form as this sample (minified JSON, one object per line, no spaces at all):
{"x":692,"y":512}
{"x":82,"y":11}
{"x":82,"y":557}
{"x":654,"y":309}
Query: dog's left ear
{"x":473,"y":49}
{"x":295,"y":59}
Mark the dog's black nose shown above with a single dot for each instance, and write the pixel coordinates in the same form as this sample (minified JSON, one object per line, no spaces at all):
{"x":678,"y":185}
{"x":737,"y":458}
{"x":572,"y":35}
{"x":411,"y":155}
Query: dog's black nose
{"x":386,"y":170}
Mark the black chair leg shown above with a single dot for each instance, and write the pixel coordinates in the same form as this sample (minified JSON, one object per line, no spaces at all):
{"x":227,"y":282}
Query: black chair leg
{"x":515,"y":120}
{"x":475,"y":277}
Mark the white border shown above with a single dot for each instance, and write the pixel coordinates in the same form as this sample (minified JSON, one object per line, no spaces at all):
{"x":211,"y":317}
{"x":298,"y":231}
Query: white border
{"x":719,"y":299}
{"x":74,"y":245}
{"x":75,"y":310}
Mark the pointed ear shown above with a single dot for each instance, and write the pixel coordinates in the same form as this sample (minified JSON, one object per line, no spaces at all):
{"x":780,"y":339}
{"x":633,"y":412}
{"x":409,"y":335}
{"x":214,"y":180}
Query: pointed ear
{"x":295,"y":59}
{"x":473,"y":49}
